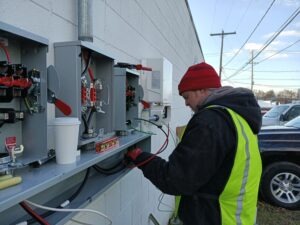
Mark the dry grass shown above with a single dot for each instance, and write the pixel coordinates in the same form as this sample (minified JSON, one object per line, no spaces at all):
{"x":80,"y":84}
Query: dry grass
{"x":269,"y":215}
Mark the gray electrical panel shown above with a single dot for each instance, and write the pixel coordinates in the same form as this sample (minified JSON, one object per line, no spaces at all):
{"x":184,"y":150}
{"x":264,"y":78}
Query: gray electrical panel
{"x":23,"y":93}
{"x":126,"y":99}
{"x":85,"y":84}
{"x":103,"y":97}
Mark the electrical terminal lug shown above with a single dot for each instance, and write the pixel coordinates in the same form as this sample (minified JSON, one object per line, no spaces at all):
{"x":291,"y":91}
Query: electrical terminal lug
{"x":35,"y":76}
{"x":98,"y":106}
{"x":98,"y":84}
{"x":90,"y":134}
{"x":154,"y":118}
{"x":10,"y":115}
{"x":99,"y":109}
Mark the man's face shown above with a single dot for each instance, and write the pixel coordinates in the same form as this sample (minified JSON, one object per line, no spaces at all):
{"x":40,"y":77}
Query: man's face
{"x":194,"y":98}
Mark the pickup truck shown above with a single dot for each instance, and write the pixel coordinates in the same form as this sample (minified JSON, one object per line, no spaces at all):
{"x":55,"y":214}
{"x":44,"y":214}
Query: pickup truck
{"x":280,"y":114}
{"x":280,"y":152}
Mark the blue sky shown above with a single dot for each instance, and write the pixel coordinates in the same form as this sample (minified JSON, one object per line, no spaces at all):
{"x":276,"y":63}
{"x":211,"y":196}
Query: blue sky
{"x":278,"y":72}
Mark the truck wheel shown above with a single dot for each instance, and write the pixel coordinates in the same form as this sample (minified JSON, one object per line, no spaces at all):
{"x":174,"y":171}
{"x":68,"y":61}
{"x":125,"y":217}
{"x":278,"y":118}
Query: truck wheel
{"x":280,"y":185}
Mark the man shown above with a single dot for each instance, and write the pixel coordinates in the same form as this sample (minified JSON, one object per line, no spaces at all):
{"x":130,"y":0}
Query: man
{"x":216,"y":167}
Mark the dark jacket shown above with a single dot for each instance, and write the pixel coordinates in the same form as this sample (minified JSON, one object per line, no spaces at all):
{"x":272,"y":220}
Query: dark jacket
{"x":200,"y":165}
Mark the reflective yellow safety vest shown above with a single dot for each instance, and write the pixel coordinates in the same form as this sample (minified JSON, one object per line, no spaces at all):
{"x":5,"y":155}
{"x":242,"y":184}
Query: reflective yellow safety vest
{"x":238,"y":201}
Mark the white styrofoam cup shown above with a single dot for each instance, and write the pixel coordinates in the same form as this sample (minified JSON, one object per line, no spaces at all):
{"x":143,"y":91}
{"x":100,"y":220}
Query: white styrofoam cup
{"x":66,"y":133}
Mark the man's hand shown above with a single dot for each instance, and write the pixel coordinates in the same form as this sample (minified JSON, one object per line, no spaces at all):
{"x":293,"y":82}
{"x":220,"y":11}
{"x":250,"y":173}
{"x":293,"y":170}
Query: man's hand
{"x":133,"y":154}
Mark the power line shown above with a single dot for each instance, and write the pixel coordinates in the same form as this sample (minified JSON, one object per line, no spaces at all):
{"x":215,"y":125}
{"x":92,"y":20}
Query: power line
{"x":289,"y":20}
{"x":269,"y":79}
{"x":279,"y":51}
{"x":266,"y":71}
{"x":214,"y":13}
{"x":216,"y":53}
{"x":242,"y":18}
{"x":229,"y":14}
{"x":251,"y":33}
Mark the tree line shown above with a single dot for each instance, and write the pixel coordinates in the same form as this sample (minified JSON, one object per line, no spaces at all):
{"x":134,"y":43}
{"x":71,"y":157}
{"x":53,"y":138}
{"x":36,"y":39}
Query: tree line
{"x":282,"y":97}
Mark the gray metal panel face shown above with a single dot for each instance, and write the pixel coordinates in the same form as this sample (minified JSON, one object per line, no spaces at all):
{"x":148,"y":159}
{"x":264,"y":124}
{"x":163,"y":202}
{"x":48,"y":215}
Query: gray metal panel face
{"x":121,"y":78}
{"x":14,"y":31}
{"x":35,"y":126}
{"x":29,"y":50}
{"x":132,"y":112}
{"x":119,"y":99}
{"x":85,"y":44}
{"x":68,"y":64}
{"x":104,"y":71}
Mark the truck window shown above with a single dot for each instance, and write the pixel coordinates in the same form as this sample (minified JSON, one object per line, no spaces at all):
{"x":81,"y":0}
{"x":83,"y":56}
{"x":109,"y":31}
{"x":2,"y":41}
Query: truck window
{"x":292,"y":113}
{"x":276,"y":111}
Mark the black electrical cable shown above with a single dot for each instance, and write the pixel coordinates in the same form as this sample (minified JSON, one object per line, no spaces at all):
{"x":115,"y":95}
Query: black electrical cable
{"x":158,"y":126}
{"x":121,"y":166}
{"x":86,"y":127}
{"x":73,"y":196}
{"x":87,"y":63}
{"x":93,"y":109}
{"x":148,"y":121}
{"x":112,"y":167}
{"x":162,"y":148}
{"x":1,"y":124}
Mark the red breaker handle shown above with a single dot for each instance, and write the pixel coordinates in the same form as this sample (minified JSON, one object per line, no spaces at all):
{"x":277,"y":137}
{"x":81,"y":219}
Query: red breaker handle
{"x":141,"y":67}
{"x":63,"y":107}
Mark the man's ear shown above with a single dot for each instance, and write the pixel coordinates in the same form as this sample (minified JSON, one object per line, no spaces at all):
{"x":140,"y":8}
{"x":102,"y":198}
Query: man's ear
{"x":205,"y":91}
{"x":200,"y":92}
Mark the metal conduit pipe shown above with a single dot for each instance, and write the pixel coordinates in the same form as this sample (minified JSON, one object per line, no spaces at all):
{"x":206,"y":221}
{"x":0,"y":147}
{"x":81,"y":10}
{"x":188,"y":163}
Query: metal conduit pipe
{"x":85,"y":20}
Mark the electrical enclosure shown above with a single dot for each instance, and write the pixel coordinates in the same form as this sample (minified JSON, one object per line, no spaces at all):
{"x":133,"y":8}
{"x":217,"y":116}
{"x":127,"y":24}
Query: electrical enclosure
{"x":23,"y":91}
{"x":157,"y":84}
{"x":85,"y":83}
{"x":103,"y":97}
{"x":125,"y":99}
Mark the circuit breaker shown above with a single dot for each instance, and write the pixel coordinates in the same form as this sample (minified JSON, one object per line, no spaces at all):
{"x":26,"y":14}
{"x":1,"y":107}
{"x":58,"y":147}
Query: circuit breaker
{"x":23,"y":93}
{"x":85,"y":83}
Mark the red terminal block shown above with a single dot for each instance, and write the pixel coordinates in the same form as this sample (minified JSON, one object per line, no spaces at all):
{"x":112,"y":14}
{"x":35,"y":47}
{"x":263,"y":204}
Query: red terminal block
{"x":107,"y":144}
{"x":83,"y":95}
{"x":93,"y":93}
{"x":22,"y":83}
{"x":6,"y":81}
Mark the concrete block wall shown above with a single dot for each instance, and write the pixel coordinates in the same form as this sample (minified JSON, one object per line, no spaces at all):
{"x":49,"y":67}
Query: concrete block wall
{"x":130,"y":30}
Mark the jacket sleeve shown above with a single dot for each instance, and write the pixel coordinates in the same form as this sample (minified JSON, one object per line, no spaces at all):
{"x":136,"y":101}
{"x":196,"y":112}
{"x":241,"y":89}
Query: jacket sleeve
{"x":196,"y":159}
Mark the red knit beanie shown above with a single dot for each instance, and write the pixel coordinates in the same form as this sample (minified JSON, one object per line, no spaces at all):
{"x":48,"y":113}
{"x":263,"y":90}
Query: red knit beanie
{"x":199,"y":76}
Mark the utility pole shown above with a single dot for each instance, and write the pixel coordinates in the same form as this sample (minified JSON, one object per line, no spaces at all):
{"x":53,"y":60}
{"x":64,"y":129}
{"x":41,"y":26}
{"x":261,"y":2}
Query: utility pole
{"x":252,"y":76}
{"x":221,"y":53}
{"x":252,"y":71}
